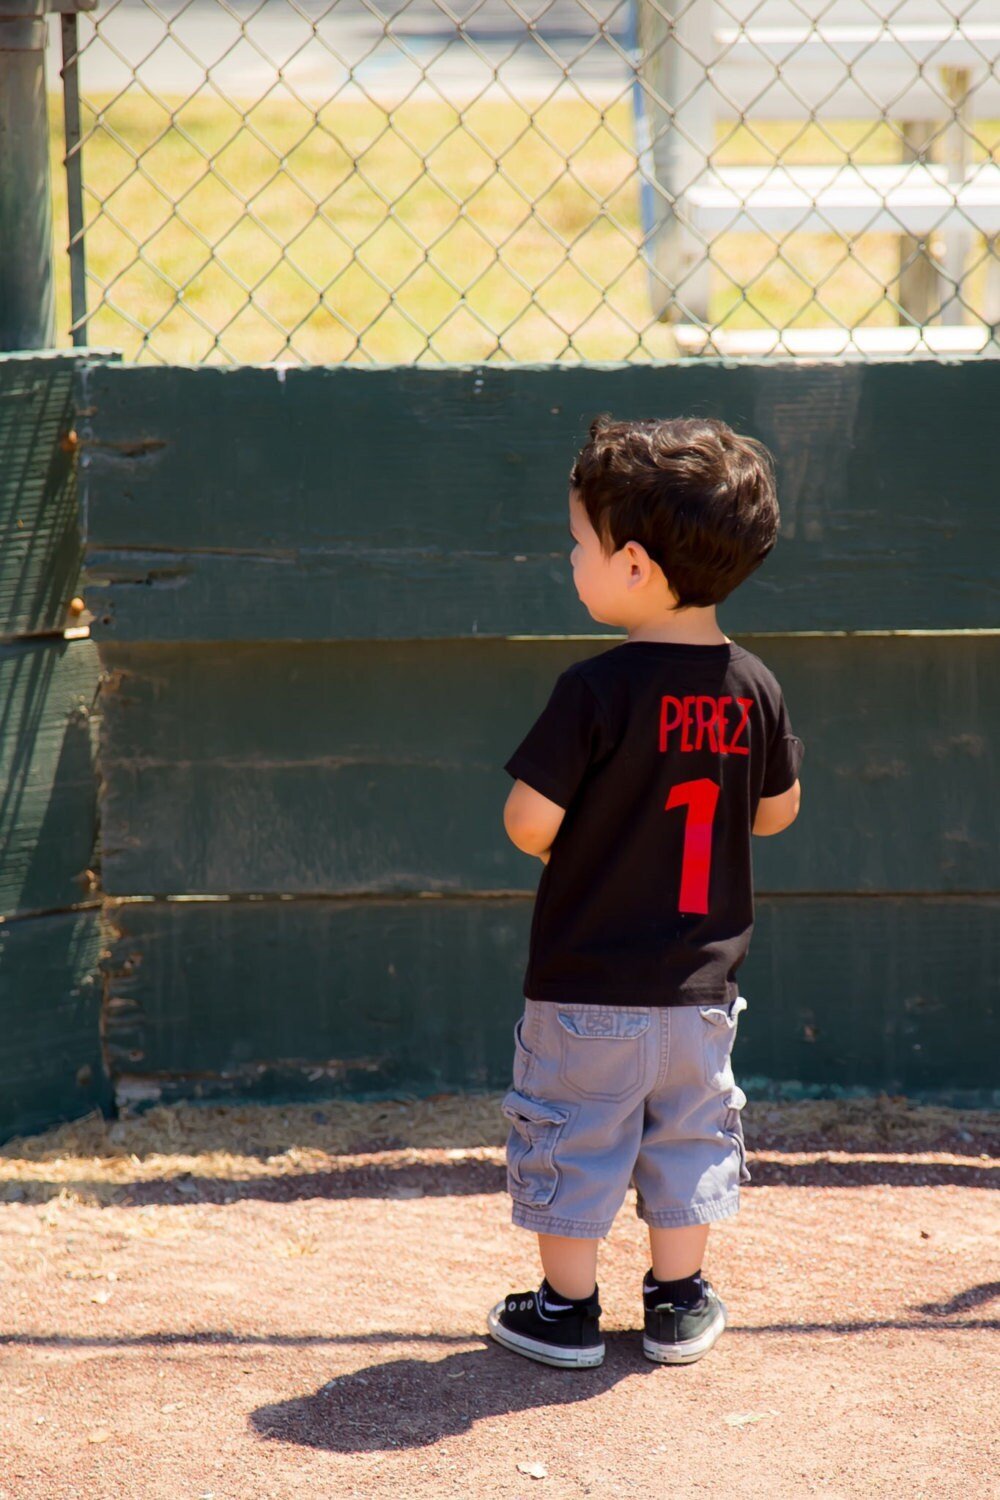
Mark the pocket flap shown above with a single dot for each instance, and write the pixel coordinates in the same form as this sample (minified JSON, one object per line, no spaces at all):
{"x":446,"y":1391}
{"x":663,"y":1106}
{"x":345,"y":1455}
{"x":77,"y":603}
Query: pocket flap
{"x":521,"y":1107}
{"x":604,"y":1021}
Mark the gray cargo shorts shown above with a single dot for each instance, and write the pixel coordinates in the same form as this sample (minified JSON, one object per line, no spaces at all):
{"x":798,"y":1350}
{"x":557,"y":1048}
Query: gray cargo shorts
{"x":607,"y":1096}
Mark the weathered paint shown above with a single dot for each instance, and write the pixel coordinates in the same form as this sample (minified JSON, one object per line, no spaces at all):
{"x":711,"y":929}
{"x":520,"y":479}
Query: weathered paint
{"x":345,"y":767}
{"x":48,"y":810}
{"x":325,"y":504}
{"x":376,"y":997}
{"x":40,"y":551}
{"x":51,"y":1064}
{"x":51,"y":1067}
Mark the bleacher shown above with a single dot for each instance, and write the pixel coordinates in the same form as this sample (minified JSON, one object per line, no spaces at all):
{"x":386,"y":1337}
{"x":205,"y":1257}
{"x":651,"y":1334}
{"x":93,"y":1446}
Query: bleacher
{"x":928,"y":74}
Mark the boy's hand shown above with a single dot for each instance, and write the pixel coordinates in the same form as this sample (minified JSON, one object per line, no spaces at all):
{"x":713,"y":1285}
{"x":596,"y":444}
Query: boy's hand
{"x":531,"y":820}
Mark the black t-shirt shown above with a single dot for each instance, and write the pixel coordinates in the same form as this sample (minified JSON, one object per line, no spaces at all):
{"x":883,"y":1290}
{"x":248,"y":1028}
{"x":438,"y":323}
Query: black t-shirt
{"x":659,"y":752}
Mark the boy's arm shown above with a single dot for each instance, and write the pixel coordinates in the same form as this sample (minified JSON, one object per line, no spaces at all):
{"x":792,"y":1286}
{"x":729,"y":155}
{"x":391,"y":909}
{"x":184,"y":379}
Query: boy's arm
{"x":775,"y":813}
{"x":531,"y":820}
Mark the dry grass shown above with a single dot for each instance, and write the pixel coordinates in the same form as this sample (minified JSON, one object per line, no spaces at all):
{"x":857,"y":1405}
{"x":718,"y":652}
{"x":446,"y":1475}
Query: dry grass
{"x":430,"y":234}
{"x":94,"y":1159}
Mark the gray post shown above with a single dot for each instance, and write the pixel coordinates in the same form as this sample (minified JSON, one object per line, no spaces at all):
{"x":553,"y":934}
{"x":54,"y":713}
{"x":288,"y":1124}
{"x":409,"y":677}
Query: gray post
{"x":74,"y":171}
{"x":677,"y":48}
{"x":27,"y":302}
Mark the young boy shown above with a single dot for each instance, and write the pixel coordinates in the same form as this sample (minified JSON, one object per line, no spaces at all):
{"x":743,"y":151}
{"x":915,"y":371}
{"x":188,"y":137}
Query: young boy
{"x":638,"y":787}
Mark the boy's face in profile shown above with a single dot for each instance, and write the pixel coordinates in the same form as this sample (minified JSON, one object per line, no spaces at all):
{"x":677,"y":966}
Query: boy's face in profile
{"x":594,"y":573}
{"x":611,"y":587}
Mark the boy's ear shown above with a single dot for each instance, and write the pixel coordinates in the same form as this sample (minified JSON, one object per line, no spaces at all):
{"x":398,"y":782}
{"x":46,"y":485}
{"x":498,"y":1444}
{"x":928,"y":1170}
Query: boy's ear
{"x":637,"y":556}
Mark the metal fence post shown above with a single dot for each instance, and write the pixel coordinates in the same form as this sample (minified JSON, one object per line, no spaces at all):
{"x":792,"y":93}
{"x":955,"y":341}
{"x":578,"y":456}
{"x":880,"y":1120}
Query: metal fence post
{"x":27,"y":300}
{"x":677,"y":48}
{"x":70,"y":73}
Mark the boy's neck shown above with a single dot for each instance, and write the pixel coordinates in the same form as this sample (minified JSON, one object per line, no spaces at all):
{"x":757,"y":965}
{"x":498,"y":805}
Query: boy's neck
{"x":692,"y":627}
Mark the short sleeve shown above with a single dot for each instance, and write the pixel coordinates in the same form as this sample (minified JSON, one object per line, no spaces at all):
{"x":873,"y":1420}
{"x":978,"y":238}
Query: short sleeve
{"x":559,"y":747}
{"x":784,"y":756}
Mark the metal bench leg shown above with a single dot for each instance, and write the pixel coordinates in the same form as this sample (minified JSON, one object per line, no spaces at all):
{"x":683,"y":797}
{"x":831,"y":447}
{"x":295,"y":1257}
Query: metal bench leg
{"x":958,"y":242}
{"x":919,"y":275}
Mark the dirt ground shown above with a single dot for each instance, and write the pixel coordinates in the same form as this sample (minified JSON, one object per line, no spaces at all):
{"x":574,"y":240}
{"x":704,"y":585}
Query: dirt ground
{"x":247,"y":1302}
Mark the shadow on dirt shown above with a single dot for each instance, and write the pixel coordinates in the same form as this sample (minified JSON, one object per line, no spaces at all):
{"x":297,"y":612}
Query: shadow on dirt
{"x":411,"y":1403}
{"x":973,"y":1296}
{"x":225,"y":1338}
{"x":442,"y":1180}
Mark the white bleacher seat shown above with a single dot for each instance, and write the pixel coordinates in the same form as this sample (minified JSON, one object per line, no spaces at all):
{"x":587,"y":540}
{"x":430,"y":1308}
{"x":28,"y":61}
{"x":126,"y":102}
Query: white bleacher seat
{"x":901,"y":199}
{"x":908,"y":62}
{"x":852,"y":69}
{"x":833,"y":343}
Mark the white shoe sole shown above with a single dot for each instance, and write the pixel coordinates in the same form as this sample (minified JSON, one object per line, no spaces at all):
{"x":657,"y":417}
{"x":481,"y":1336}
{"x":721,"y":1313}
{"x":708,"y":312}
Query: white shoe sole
{"x":569,"y":1359}
{"x":691,"y":1349}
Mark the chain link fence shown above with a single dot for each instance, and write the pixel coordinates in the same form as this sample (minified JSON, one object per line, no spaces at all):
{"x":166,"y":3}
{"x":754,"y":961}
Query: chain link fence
{"x":426,"y":182}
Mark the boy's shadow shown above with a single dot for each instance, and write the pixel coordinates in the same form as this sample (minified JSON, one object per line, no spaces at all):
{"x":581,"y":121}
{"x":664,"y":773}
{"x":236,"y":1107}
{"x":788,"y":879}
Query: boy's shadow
{"x":410,"y":1403}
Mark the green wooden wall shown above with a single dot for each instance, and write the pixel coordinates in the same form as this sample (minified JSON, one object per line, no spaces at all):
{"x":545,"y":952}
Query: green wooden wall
{"x":51,"y":1062}
{"x":345,"y":504}
{"x":329,"y":602}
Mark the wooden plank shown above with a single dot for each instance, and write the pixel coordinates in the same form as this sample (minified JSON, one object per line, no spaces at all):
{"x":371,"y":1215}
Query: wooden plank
{"x":184,"y":596}
{"x":50,"y":1003}
{"x":331,"y":503}
{"x":374,"y":998}
{"x":48,"y":808}
{"x":353,"y":767}
{"x":41,"y":551}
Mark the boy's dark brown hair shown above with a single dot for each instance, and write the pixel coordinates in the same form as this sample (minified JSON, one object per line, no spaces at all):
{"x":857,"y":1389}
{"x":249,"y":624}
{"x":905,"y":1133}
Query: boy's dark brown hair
{"x":698,"y":496}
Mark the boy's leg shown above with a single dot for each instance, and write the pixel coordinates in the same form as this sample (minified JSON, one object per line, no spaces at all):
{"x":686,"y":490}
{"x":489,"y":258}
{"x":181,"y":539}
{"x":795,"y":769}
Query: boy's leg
{"x":677,"y":1252}
{"x":570,"y":1264}
{"x":683,"y":1315}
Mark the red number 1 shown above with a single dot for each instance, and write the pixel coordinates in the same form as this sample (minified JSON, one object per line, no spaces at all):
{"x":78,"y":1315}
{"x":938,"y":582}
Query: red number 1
{"x":701,"y":798}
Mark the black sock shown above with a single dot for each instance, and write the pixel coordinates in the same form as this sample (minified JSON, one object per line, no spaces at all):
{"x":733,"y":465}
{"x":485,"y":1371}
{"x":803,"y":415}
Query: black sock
{"x":555,"y":1305}
{"x":685,"y":1292}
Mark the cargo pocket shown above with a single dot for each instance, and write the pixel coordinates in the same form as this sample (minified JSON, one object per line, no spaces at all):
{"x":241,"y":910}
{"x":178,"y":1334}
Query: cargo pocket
{"x":733,"y":1127}
{"x":719,"y":1035}
{"x":532,"y":1175}
{"x":602,"y":1050}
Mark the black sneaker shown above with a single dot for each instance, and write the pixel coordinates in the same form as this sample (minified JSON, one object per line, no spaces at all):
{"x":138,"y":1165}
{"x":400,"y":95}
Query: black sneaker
{"x":678,"y":1335}
{"x":572,"y":1339}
